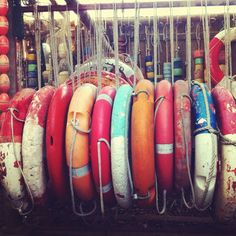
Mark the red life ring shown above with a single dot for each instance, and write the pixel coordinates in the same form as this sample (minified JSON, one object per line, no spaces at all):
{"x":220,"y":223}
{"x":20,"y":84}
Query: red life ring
{"x":101,"y":131}
{"x":216,"y":45}
{"x":164,"y":135}
{"x":55,"y":141}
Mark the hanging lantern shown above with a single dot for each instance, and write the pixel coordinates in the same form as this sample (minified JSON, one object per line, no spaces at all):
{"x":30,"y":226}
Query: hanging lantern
{"x":4,"y":44}
{"x":3,"y":25}
{"x":3,"y":7}
{"x":4,"y":101}
{"x":4,"y":64}
{"x":4,"y":83}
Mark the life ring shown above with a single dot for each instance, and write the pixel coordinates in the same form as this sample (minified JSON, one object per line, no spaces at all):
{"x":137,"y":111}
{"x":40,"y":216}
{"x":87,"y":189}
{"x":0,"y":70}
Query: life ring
{"x":120,"y":140}
{"x":142,"y":143}
{"x":108,"y":79}
{"x":183,"y":139}
{"x":55,"y":141}
{"x":206,"y":153}
{"x":225,"y":207}
{"x":33,"y":144}
{"x":100,"y":144}
{"x":77,"y":141}
{"x":216,"y":44}
{"x":10,"y":158}
{"x":164,"y":136}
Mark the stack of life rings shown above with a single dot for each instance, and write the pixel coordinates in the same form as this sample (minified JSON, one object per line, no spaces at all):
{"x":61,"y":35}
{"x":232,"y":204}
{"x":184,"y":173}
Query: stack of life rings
{"x":4,"y":61}
{"x":126,"y":145}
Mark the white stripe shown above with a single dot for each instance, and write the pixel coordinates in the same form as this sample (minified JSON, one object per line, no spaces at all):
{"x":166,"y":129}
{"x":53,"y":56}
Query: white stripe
{"x":105,"y":188}
{"x":106,"y":98}
{"x":164,"y":148}
{"x":80,"y":172}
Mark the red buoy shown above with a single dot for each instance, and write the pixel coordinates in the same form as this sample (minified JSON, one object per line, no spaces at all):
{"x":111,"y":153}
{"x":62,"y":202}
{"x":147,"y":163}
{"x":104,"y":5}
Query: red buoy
{"x":3,"y":25}
{"x":4,"y":102}
{"x":4,"y":64}
{"x":3,"y":7}
{"x":4,"y":83}
{"x":4,"y":44}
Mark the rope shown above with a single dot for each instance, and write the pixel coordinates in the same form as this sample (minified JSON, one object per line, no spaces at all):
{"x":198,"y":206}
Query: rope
{"x":78,"y":35}
{"x":212,"y":132}
{"x":140,"y":91}
{"x":186,"y":156}
{"x":198,"y":36}
{"x":226,"y":141}
{"x":21,"y":212}
{"x":75,"y":126}
{"x":172,"y":40}
{"x":115,"y":39}
{"x":188,"y":43}
{"x":100,"y":170}
{"x":136,"y":39}
{"x":38,"y":43}
{"x":159,"y":101}
{"x":155,"y":41}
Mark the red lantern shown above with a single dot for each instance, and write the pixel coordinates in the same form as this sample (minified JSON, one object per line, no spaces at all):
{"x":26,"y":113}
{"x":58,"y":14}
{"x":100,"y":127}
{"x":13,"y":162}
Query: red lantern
{"x":4,"y":83}
{"x":3,"y":25}
{"x":4,"y":44}
{"x":4,"y":64}
{"x":3,"y":7}
{"x":4,"y":101}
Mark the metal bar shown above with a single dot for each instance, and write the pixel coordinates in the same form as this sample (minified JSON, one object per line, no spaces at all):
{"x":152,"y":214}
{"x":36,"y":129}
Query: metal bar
{"x":109,"y":6}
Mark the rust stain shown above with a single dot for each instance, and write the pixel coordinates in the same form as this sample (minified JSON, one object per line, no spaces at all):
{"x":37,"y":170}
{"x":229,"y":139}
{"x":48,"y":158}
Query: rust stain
{"x":17,"y":164}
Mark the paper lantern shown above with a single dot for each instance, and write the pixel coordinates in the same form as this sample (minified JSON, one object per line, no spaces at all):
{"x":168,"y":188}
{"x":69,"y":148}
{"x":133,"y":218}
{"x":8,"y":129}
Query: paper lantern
{"x":3,"y":7}
{"x":4,"y":64}
{"x":4,"y":83}
{"x":3,"y":25}
{"x":4,"y":44}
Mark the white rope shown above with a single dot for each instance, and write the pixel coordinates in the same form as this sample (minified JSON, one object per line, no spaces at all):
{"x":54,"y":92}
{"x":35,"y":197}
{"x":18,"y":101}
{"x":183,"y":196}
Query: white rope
{"x":188,"y":44}
{"x":100,"y":170}
{"x":165,"y":38}
{"x":205,"y":25}
{"x":20,"y":210}
{"x":78,"y":52}
{"x":69,"y":48}
{"x":75,"y":125}
{"x":115,"y":40}
{"x":155,"y":41}
{"x":171,"y":6}
{"x":136,"y":39}
{"x":38,"y":43}
{"x":159,"y":50}
{"x":53,"y":44}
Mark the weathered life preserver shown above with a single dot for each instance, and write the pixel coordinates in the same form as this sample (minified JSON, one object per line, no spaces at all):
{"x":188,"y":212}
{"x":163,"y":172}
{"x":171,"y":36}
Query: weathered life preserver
{"x":33,"y":144}
{"x":216,"y":44}
{"x":100,"y":143}
{"x":125,"y":71}
{"x":10,"y":158}
{"x":120,"y":140}
{"x":164,"y":134}
{"x":55,"y":141}
{"x":206,"y":153}
{"x":142,"y":143}
{"x":226,"y":185}
{"x":182,"y":128}
{"x":91,"y":77}
{"x":77,"y":140}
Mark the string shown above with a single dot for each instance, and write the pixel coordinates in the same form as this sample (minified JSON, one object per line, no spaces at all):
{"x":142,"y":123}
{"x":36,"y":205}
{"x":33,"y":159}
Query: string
{"x":172,"y":39}
{"x":115,"y":40}
{"x":188,"y":43}
{"x":136,"y":39}
{"x":155,"y":41}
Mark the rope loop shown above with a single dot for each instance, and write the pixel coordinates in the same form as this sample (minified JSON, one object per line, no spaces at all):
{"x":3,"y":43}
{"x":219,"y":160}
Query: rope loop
{"x":12,"y":109}
{"x":226,"y":141}
{"x":137,"y":196}
{"x":75,"y":125}
{"x":140,"y":91}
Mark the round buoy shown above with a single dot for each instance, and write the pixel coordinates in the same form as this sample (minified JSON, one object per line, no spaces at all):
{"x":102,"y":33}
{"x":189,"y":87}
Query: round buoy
{"x":4,"y":64}
{"x":3,"y":7}
{"x":4,"y":101}
{"x":4,"y":83}
{"x":4,"y":44}
{"x":3,"y":25}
